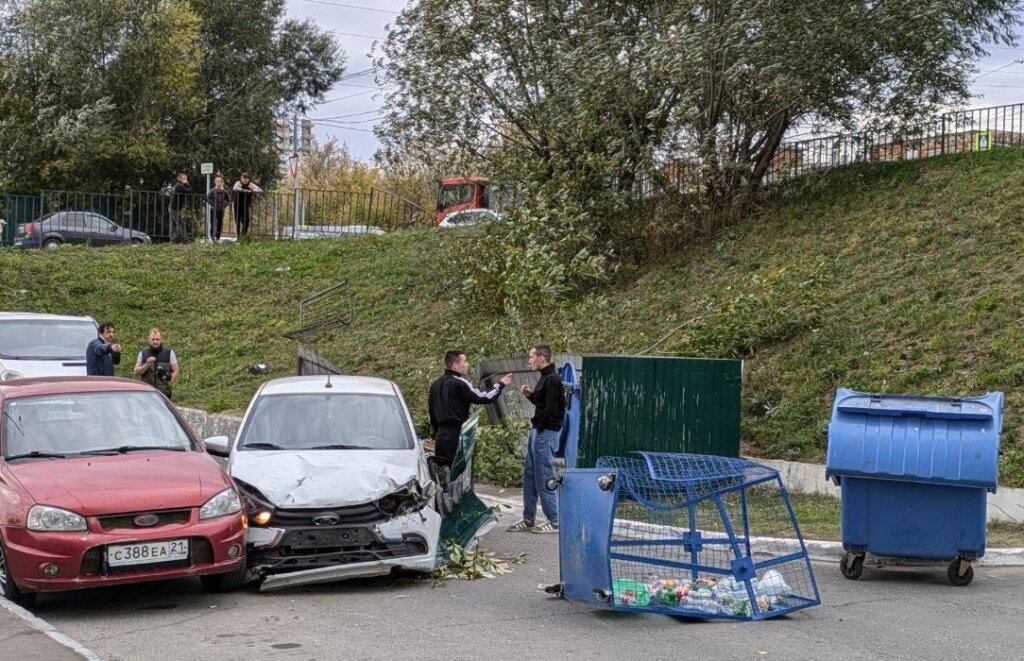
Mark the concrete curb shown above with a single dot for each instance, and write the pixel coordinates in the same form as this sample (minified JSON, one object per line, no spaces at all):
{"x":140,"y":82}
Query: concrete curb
{"x":45,"y":627}
{"x":822,"y":551}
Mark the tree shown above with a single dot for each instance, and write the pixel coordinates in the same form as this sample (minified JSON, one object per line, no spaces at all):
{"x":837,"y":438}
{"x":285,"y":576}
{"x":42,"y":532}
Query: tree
{"x":99,"y":94}
{"x":593,"y":94}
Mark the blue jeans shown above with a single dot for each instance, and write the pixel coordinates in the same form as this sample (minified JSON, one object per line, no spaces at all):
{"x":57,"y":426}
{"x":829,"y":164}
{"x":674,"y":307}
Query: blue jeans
{"x":540,"y":455}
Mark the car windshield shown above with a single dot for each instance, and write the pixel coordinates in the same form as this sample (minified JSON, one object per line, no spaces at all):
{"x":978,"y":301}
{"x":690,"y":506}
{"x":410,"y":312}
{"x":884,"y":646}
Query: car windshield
{"x":80,"y":423}
{"x":320,"y":421}
{"x":45,"y":339}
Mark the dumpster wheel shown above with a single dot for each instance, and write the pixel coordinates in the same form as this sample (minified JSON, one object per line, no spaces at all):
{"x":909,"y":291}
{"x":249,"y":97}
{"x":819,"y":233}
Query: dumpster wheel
{"x":852,"y":566}
{"x":959,"y":575}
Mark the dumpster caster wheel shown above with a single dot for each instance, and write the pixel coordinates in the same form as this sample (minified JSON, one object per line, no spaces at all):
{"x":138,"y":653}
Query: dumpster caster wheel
{"x":958,"y":578}
{"x":603,"y":595}
{"x":606,"y":482}
{"x":852,"y":566}
{"x":551,"y":484}
{"x":557,"y":589}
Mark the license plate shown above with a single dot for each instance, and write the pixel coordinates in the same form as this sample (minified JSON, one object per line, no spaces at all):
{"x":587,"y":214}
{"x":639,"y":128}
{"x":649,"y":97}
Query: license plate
{"x":147,"y":552}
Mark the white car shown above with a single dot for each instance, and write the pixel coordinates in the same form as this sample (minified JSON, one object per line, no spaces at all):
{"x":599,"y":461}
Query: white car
{"x":43,"y":344}
{"x":468,"y":218}
{"x":336,"y":481}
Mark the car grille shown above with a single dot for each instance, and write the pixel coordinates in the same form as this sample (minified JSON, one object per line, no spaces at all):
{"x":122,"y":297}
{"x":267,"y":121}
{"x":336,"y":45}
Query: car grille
{"x":127,"y":521}
{"x":306,"y":549}
{"x":347,"y":516}
{"x":93,"y":562}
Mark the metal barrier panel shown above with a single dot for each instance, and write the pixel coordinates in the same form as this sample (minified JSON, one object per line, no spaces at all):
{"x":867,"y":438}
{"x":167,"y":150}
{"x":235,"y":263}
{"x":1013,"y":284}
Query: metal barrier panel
{"x":659,"y":405}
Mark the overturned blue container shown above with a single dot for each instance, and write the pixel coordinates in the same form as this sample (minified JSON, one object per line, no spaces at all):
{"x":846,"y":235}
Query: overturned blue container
{"x":687,"y":535}
{"x":914,"y":474}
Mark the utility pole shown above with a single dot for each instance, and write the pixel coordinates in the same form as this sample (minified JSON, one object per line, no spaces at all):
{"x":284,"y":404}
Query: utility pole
{"x":296,"y":202}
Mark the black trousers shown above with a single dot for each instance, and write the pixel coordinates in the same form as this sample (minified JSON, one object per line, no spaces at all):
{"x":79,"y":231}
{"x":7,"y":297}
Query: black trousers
{"x":242,"y":218}
{"x":446,"y":444}
{"x":218,"y":222}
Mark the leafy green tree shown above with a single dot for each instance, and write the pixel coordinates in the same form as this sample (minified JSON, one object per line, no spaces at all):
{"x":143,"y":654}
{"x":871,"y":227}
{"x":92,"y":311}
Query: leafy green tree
{"x":98,"y":94}
{"x":581,"y":101}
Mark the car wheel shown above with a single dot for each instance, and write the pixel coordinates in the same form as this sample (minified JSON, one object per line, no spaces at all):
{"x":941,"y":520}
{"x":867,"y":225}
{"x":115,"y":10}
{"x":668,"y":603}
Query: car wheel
{"x":51,"y":244}
{"x":8,"y":589}
{"x":232,"y":580}
{"x":137,"y":242}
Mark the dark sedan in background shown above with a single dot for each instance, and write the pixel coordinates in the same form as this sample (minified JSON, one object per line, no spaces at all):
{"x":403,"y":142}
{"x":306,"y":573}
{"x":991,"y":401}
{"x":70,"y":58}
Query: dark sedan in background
{"x":61,"y":227}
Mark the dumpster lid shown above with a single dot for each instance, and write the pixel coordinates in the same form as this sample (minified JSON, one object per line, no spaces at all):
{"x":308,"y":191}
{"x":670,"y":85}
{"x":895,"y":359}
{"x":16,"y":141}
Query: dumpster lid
{"x":951,"y":441}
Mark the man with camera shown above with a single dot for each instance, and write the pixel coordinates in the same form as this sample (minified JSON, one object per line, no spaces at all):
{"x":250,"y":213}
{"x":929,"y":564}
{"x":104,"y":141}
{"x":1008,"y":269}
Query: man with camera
{"x":157,"y":365}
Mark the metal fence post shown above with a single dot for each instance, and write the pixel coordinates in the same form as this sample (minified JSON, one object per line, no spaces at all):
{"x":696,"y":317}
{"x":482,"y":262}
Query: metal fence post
{"x":277,"y":216}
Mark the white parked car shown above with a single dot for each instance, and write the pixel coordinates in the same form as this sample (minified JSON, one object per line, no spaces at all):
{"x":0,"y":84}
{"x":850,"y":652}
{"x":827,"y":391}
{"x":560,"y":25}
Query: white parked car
{"x":468,"y":218}
{"x":336,"y":481}
{"x":43,"y":344}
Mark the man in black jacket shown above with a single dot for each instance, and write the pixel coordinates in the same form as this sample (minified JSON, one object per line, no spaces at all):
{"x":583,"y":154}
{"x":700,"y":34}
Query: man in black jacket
{"x":548,"y":399}
{"x":449,"y":401}
{"x":179,"y":193}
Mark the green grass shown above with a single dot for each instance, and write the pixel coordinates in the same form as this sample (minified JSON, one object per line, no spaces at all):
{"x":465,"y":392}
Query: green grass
{"x":892,"y":278}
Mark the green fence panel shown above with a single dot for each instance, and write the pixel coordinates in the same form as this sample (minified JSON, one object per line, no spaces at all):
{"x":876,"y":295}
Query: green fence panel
{"x":657,"y":404}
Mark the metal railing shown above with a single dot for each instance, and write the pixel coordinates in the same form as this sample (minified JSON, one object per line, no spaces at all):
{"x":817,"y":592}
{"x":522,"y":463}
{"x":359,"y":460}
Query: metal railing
{"x":981,"y":129}
{"x":53,"y":217}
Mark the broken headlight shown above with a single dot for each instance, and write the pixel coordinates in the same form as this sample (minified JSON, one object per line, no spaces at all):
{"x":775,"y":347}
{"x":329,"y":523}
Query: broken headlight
{"x":258,"y":508}
{"x":410,"y":498}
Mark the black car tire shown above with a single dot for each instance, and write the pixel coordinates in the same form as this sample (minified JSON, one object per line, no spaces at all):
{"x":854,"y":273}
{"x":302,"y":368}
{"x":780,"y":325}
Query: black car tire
{"x":227,"y":582}
{"x":52,"y":243}
{"x":8,"y":588}
{"x":137,"y":242}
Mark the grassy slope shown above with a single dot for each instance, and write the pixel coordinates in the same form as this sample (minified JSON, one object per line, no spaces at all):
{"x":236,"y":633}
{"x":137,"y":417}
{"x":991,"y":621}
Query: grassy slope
{"x":900,"y":278}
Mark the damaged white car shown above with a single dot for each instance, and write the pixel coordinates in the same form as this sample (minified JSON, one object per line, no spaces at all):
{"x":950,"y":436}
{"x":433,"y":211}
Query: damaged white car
{"x":336,"y":481}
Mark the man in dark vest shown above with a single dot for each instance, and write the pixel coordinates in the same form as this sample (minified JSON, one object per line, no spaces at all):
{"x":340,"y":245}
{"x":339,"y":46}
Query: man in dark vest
{"x":243,"y":192}
{"x":157,"y":365}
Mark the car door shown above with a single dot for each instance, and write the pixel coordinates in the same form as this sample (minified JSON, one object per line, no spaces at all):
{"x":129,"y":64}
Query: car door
{"x":101,"y":231}
{"x":70,"y":225}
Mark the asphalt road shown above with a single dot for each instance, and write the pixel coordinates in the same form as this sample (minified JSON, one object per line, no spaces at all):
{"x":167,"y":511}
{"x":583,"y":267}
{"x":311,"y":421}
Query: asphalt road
{"x":888,"y":614}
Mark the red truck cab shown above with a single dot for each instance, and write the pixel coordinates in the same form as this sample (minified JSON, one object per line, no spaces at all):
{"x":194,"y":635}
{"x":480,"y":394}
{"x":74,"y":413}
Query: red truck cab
{"x":460,"y":193}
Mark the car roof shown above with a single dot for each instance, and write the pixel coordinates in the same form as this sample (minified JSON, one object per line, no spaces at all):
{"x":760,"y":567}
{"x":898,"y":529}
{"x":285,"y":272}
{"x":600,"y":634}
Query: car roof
{"x":339,"y":384}
{"x":63,"y":385}
{"x":6,"y":316}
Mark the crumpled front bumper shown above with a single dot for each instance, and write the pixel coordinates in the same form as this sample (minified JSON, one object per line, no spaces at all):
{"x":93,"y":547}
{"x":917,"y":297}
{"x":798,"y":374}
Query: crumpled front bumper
{"x":303,"y":555}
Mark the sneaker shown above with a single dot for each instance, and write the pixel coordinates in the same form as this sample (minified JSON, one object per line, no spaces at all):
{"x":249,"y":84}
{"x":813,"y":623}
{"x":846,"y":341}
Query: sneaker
{"x":522,"y":526}
{"x":546,"y":527}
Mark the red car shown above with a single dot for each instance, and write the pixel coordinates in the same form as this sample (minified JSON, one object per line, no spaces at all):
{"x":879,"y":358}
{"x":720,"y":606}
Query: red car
{"x":102,"y":483}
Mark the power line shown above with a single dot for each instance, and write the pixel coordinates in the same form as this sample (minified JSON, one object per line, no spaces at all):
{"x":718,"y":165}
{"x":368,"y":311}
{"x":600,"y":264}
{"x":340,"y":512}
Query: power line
{"x":360,"y":7}
{"x":366,"y":87}
{"x":353,"y":34}
{"x":349,"y":128}
{"x":351,"y":114}
{"x":349,"y":96}
{"x":360,"y":73}
{"x":997,"y":69}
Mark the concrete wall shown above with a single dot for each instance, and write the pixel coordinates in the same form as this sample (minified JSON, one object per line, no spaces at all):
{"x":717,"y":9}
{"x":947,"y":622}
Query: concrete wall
{"x":1005,"y":505}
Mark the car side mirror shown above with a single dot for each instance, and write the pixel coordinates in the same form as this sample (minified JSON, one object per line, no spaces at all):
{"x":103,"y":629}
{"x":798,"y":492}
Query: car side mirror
{"x":217,"y":445}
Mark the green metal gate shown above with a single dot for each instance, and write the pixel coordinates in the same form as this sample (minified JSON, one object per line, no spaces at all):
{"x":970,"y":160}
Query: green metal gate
{"x":660,"y":405}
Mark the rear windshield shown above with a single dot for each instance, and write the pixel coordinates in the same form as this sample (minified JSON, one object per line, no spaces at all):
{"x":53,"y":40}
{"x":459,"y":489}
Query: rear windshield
{"x":90,"y":422}
{"x":45,"y":339}
{"x":344,"y":421}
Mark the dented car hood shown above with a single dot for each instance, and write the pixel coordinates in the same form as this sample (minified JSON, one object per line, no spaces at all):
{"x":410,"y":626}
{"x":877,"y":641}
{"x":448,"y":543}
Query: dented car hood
{"x":327,"y":478}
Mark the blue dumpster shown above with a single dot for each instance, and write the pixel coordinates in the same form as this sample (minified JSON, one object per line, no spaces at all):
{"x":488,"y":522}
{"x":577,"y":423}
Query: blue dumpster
{"x":914,"y":473}
{"x":682,"y":534}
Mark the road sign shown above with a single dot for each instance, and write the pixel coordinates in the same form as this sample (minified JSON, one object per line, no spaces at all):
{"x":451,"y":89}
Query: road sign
{"x":293,"y":165}
{"x":983,"y":141}
{"x":206,"y":168}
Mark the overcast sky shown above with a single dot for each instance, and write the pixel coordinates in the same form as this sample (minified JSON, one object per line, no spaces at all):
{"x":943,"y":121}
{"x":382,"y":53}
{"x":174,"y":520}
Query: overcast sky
{"x":357,"y":23}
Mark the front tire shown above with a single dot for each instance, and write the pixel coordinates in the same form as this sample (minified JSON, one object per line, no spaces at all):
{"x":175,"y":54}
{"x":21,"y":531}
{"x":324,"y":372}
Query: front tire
{"x":227,"y":582}
{"x":52,"y":244}
{"x":8,"y":588}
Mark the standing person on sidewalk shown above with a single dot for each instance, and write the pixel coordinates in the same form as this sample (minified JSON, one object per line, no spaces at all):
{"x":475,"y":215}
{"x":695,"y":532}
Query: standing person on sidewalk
{"x":449,"y":401}
{"x":548,"y":399}
{"x":218,"y":199}
{"x":243,"y":191}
